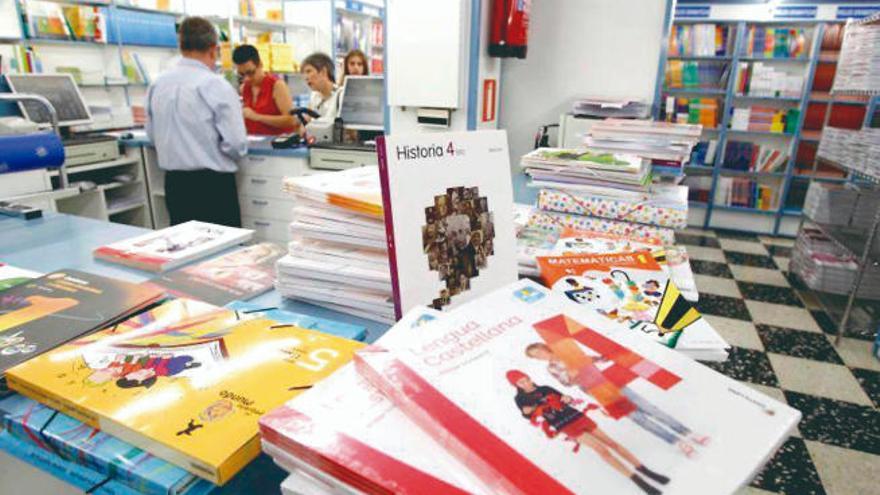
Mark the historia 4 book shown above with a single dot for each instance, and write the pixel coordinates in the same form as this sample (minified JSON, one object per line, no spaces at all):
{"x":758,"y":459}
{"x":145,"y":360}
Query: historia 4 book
{"x":185,"y":382}
{"x":173,"y":246}
{"x":45,"y":312}
{"x":567,"y":401}
{"x":448,"y":204}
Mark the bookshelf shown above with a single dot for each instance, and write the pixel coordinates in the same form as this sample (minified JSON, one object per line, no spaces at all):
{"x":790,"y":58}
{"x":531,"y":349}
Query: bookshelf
{"x":794,"y":78}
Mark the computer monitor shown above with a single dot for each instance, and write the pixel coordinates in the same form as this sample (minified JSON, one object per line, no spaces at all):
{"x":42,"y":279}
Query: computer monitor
{"x":363,"y":103}
{"x":60,"y":89}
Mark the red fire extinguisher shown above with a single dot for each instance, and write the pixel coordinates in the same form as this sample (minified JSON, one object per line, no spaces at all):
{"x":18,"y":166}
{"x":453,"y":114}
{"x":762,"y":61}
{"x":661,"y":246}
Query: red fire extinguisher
{"x":509,"y":35}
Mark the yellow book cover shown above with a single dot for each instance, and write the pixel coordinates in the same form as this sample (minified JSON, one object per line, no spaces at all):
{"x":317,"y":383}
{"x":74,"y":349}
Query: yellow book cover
{"x":186,"y":382}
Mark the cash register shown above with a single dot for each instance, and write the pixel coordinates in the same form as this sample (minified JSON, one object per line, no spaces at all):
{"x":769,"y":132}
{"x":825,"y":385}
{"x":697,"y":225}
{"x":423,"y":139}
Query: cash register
{"x":362,"y":112}
{"x":61,"y":90}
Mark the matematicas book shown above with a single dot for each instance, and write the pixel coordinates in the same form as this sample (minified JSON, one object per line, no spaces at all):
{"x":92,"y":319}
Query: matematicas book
{"x":40,"y":314}
{"x":186,"y":381}
{"x":240,"y":275}
{"x":634,"y":290}
{"x":174,"y":246}
{"x":447,"y":199}
{"x":569,"y":402}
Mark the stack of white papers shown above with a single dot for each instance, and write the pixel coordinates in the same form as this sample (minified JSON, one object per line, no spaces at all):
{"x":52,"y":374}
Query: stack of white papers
{"x":338,"y":257}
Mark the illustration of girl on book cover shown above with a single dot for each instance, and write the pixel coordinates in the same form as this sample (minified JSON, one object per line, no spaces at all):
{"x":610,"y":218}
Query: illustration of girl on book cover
{"x":555,"y":413}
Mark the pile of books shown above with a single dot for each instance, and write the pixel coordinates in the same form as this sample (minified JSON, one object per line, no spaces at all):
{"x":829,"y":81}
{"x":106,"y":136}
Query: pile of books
{"x":759,"y":79}
{"x":610,"y":107}
{"x":663,"y":144}
{"x":560,"y":167}
{"x":747,"y":193}
{"x":698,"y":40}
{"x":525,"y":391}
{"x":751,"y":157}
{"x":857,"y":150}
{"x":338,"y":255}
{"x":764,"y":119}
{"x":824,"y":266}
{"x":857,"y":69}
{"x":696,"y":74}
{"x":703,"y":111}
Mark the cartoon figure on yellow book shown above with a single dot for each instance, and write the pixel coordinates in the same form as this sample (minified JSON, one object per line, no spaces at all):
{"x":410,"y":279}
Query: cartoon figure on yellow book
{"x":458,"y":239}
{"x":141,"y":370}
{"x":554,"y":413}
{"x":580,"y":357}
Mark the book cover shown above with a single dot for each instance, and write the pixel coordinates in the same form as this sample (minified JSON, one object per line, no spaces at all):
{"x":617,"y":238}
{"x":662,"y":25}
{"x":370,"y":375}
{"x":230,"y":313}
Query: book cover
{"x":333,"y":327}
{"x":11,"y":276}
{"x":447,"y":199}
{"x":173,"y":246}
{"x":568,"y":402}
{"x":346,"y":428}
{"x":633,"y":290}
{"x":186,"y":389}
{"x":242,"y":274}
{"x":356,"y":189}
{"x":38,"y":315}
{"x":71,"y":440}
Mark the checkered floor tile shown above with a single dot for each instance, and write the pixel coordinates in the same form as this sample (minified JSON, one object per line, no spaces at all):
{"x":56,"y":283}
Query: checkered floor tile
{"x":783,"y":346}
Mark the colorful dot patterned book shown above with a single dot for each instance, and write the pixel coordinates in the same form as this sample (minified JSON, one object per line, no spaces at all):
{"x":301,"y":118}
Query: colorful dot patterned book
{"x":185,"y":382}
{"x":536,"y":394}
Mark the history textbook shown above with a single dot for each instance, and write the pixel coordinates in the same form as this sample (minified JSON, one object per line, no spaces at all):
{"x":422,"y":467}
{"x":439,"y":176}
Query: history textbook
{"x":240,"y":275}
{"x":448,"y":204}
{"x":634,"y":290}
{"x":45,"y":312}
{"x":185,"y":382}
{"x":538,"y":395}
{"x":173,"y":246}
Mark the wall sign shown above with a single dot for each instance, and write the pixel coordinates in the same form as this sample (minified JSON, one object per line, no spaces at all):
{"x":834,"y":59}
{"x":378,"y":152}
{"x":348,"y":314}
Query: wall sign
{"x":856,"y":11}
{"x":490,"y":92}
{"x":692,"y":11}
{"x":795,"y":12}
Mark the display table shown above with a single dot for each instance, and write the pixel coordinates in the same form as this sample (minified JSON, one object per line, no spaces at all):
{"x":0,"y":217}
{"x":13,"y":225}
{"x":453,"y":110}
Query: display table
{"x":60,"y":241}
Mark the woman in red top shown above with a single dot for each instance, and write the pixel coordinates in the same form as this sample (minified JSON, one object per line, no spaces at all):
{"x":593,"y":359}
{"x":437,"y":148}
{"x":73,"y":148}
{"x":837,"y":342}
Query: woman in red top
{"x":265,"y":97}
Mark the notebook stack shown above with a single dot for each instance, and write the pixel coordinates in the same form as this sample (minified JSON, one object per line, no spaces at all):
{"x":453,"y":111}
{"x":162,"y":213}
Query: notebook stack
{"x":663,"y":144}
{"x":610,"y":107}
{"x":560,"y":167}
{"x":337,"y":257}
{"x":524,"y":391}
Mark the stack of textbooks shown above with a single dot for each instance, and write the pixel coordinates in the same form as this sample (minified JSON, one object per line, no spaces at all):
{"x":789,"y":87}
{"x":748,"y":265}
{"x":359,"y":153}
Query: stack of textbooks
{"x":693,"y":75}
{"x":747,"y":193}
{"x":857,"y":150}
{"x":703,"y":111}
{"x":174,"y":246}
{"x":663,"y":144}
{"x":857,"y":69}
{"x":662,"y":206}
{"x":759,"y":79}
{"x":338,"y":255}
{"x":750,"y":157}
{"x":610,"y":107}
{"x":566,"y":401}
{"x":560,"y":167}
{"x":765,"y":119}
{"x":185,"y":382}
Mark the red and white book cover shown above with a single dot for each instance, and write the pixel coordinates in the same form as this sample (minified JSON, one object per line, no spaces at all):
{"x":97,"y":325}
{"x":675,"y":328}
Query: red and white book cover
{"x":537,"y":395}
{"x":173,"y":246}
{"x":346,"y":429}
{"x":447,"y":200}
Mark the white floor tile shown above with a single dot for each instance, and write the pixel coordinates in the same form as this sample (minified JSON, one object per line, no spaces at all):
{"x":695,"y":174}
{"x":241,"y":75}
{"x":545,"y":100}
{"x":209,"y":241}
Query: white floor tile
{"x":833,"y":381}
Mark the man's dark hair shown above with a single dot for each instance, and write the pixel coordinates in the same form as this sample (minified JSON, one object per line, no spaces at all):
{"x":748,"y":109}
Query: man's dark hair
{"x":196,"y":34}
{"x":321,"y":61}
{"x":246,"y":53}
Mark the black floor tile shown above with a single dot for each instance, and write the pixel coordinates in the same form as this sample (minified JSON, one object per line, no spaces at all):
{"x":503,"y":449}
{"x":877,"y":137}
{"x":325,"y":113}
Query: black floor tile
{"x":757,"y":260}
{"x":747,"y":365}
{"x":791,"y":470}
{"x":829,"y":325}
{"x":797,"y":343}
{"x":733,"y":234}
{"x":729,"y":307}
{"x":795,"y":281}
{"x":825,"y":322}
{"x":712,"y":268}
{"x":696,"y":240}
{"x":782,"y":251}
{"x":870,"y":382}
{"x":839,"y":423}
{"x":769,"y":293}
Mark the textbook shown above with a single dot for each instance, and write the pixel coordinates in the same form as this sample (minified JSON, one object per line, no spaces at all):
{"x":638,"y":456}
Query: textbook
{"x":48,"y":311}
{"x":448,"y":204}
{"x":347,"y":432}
{"x":11,"y":276}
{"x":72,"y":441}
{"x":242,"y":274}
{"x":333,"y":327}
{"x":185,"y":382}
{"x":634,"y":290}
{"x":567,"y":401}
{"x":174,"y":246}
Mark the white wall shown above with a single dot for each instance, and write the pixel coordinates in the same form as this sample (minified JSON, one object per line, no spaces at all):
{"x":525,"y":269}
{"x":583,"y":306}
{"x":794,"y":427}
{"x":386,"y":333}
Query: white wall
{"x":579,"y":47}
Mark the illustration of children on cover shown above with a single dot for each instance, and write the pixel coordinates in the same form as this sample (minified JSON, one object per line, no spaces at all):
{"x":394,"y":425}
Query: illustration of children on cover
{"x":596,"y":370}
{"x":554,"y":413}
{"x":141,"y":370}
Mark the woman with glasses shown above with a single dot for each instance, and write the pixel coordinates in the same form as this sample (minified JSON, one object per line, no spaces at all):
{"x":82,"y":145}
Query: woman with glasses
{"x":265,"y":97}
